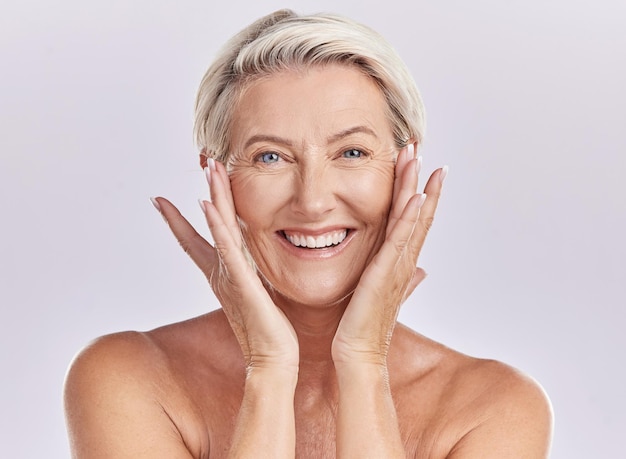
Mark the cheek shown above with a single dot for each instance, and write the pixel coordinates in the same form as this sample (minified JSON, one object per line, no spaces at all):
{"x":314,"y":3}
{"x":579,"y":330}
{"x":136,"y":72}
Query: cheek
{"x":255,"y":197}
{"x":371,"y":191}
{"x":259,"y":197}
{"x":255,"y":205}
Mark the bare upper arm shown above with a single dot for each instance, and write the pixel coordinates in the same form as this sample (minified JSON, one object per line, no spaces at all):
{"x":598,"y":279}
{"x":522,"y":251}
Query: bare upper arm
{"x":112,"y":404}
{"x":515,"y":420}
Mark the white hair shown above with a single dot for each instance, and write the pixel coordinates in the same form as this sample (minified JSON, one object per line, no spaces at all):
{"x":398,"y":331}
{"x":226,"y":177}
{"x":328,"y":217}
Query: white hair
{"x":283,"y":41}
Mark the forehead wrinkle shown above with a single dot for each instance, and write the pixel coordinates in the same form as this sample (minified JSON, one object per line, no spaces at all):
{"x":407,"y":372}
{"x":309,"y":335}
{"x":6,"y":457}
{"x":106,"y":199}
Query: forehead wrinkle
{"x":349,"y":131}
{"x":361,"y":129}
{"x":318,"y":131}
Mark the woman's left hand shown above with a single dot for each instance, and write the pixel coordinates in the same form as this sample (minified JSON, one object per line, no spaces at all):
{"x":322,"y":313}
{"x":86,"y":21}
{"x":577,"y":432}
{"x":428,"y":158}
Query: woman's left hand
{"x":365,"y":330}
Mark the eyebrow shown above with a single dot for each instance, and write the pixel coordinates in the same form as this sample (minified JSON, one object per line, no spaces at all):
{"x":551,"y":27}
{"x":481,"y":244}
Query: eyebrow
{"x":268,"y":138}
{"x":333,"y":138}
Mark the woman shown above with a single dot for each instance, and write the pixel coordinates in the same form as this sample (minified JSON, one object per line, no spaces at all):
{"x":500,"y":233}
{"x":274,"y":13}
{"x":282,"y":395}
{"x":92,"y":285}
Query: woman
{"x":308,"y":129}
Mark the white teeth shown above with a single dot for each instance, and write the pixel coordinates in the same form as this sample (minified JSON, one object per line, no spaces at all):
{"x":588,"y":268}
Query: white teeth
{"x":317,"y":242}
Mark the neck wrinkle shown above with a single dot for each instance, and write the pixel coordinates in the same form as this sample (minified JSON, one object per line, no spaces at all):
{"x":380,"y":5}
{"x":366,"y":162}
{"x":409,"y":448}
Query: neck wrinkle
{"x":315,"y":327}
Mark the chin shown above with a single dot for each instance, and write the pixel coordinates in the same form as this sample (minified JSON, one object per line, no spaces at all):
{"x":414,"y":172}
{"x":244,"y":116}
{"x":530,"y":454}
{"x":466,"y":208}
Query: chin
{"x":316,"y":294}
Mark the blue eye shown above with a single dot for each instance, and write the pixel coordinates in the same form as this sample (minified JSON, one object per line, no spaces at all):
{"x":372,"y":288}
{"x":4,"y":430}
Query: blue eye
{"x":269,"y":157}
{"x":352,"y":153}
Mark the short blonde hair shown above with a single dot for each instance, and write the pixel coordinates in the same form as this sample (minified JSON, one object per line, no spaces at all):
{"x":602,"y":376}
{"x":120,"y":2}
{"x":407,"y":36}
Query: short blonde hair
{"x":283,"y":41}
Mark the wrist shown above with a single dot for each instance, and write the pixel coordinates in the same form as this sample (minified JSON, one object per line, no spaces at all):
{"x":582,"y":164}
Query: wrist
{"x":268,"y":395}
{"x":362,"y":375}
{"x":350,"y":357}
{"x":270,"y":390}
{"x":282,"y":377}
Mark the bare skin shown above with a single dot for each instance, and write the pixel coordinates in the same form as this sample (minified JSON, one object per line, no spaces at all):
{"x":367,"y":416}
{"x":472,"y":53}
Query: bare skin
{"x":314,"y":366}
{"x":182,"y":386}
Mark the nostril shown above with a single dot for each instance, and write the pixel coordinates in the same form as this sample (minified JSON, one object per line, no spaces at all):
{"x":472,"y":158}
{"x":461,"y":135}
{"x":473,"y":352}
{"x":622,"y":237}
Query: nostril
{"x":314,"y":201}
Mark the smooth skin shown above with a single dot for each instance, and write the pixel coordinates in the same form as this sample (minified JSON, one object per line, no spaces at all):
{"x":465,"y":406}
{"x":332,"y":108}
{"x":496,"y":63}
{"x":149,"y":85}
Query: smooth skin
{"x":305,"y":357}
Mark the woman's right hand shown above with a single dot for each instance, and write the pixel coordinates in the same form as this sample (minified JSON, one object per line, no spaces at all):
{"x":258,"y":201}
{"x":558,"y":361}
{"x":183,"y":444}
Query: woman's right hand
{"x":266,"y":337}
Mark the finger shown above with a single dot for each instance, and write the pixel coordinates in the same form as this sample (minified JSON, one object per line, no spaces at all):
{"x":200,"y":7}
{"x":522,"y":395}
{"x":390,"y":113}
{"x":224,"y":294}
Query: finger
{"x":405,"y":187}
{"x":427,"y":213}
{"x":403,"y":159}
{"x":227,"y":245}
{"x":398,"y":240}
{"x":237,"y":276}
{"x":225,"y":178}
{"x":200,"y":251}
{"x":381,"y":278}
{"x":221,"y":196}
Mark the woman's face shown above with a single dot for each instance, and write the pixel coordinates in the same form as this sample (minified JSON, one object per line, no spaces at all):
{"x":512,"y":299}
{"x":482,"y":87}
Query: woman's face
{"x":312,"y":170}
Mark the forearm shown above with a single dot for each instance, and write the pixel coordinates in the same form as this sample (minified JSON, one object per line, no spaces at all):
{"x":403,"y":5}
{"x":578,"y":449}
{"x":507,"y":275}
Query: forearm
{"x":367,"y":425}
{"x":265,"y":424}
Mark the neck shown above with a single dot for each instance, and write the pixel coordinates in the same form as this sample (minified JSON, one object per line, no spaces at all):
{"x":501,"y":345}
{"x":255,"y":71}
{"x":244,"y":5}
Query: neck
{"x":315,"y":327}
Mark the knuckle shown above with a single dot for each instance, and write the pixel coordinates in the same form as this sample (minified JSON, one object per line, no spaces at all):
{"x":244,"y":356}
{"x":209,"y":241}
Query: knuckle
{"x":400,"y":245}
{"x":222,"y":250}
{"x":187,"y":243}
{"x":184,"y":244}
{"x":427,"y":223}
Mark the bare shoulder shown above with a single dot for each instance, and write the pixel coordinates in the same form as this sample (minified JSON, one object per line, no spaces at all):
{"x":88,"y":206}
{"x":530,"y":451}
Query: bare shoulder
{"x":124,"y":396}
{"x":112,"y":401}
{"x":109,"y":363}
{"x":482,"y":408}
{"x":125,"y":349}
{"x":509,"y":415}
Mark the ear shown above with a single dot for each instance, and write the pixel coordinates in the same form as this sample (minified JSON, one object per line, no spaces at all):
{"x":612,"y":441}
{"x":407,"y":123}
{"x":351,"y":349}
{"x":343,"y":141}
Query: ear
{"x":203,"y":159}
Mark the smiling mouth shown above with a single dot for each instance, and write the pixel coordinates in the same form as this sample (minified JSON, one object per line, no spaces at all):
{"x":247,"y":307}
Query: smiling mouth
{"x":321,"y":241}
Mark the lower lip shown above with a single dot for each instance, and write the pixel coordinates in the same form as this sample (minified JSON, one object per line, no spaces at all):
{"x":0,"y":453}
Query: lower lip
{"x":315,"y":254}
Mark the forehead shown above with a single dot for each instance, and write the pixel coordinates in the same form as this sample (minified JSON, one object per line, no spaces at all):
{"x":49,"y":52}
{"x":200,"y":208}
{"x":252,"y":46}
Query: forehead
{"x":310,"y":104}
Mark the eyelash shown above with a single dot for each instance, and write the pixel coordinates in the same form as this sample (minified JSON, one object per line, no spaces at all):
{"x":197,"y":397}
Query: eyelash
{"x":361,"y":153}
{"x":260,"y":157}
{"x":276,"y":157}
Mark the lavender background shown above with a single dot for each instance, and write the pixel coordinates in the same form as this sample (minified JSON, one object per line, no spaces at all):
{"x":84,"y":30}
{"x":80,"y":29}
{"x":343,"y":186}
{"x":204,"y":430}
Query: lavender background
{"x":525,"y":101}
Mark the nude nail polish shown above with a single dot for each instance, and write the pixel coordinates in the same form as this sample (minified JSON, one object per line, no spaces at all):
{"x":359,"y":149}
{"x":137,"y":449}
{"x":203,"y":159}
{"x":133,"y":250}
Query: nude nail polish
{"x":155,"y":203}
{"x":443,"y":174}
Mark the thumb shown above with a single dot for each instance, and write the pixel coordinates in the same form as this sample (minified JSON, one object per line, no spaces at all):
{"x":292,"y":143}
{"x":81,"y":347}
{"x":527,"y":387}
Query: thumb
{"x":418,"y":276}
{"x":201,"y":252}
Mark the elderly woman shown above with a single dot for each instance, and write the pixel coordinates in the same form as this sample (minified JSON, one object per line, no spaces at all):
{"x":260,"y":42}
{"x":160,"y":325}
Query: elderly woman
{"x":308,"y":129}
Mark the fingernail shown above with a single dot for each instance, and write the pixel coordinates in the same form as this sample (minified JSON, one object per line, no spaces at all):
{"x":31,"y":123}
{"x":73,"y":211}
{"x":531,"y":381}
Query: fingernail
{"x":418,"y":164}
{"x":211,"y":163}
{"x":155,"y":203}
{"x":443,"y":174}
{"x":411,"y":151}
{"x":421,"y":200}
{"x":207,"y":173}
{"x":201,"y":202}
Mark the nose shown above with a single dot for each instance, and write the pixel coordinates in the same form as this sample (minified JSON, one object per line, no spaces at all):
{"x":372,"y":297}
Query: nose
{"x":314,"y":193}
